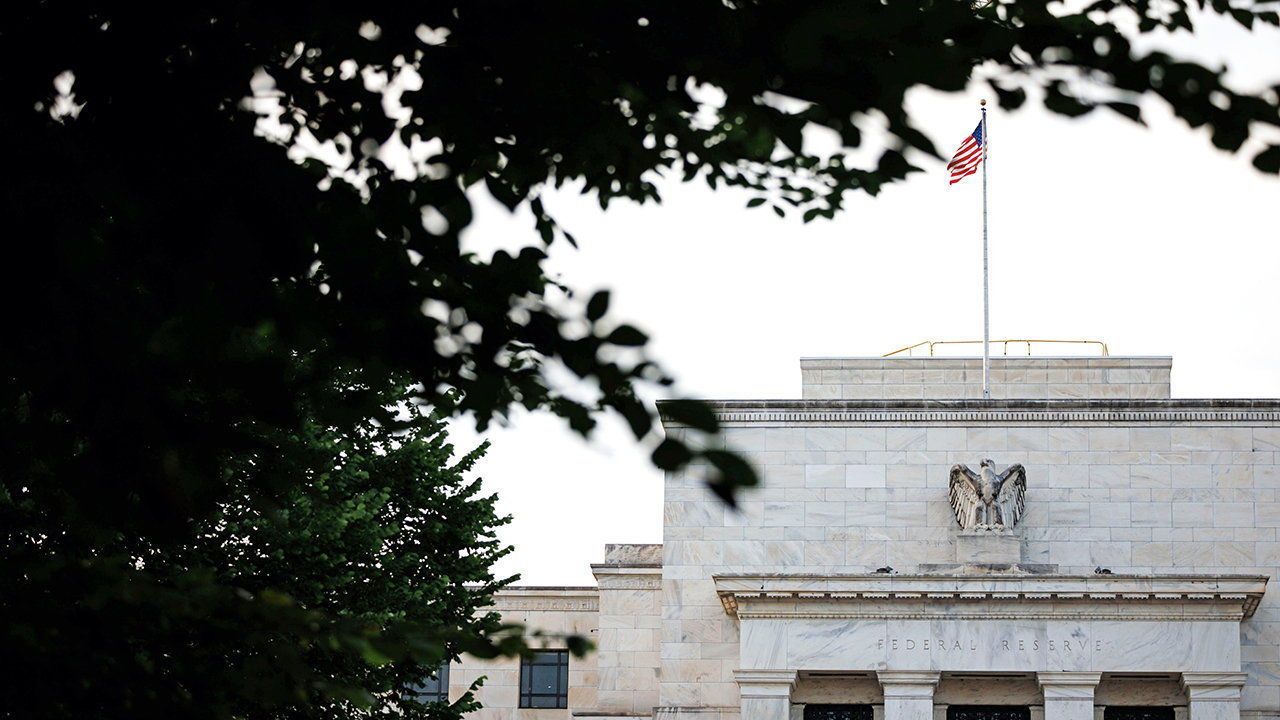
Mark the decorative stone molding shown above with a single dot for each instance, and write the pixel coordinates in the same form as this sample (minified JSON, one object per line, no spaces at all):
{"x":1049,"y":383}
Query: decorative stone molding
{"x":1068,"y":685}
{"x":700,"y":712}
{"x":958,"y":597}
{"x":765,"y":683}
{"x":1213,"y":687}
{"x":628,"y":577}
{"x":799,"y":413}
{"x":547,"y":599}
{"x":907,"y":683}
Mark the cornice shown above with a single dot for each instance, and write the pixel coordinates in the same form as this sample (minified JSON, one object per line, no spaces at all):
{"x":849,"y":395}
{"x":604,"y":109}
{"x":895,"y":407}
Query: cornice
{"x":540,"y":599}
{"x":628,"y":577}
{"x":1100,"y":597}
{"x":629,"y":569}
{"x":1020,"y":412}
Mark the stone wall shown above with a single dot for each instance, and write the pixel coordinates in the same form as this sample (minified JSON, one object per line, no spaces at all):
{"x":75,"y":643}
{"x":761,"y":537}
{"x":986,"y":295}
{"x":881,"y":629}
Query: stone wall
{"x":630,"y":582}
{"x":1139,"y":486}
{"x":1038,"y":378}
{"x":558,"y":610}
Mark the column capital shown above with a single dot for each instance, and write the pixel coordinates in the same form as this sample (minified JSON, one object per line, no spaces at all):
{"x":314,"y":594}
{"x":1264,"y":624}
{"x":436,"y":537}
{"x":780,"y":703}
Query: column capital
{"x":1209,"y":686}
{"x":1068,"y":685}
{"x":765,"y":683}
{"x":908,"y":683}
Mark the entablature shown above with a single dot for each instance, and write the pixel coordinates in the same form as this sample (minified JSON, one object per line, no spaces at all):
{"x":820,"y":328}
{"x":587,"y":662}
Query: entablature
{"x":986,"y":597}
{"x":800,"y":413}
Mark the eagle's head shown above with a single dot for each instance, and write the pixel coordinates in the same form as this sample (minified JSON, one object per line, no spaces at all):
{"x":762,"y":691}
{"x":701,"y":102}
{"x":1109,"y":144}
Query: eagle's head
{"x":988,"y":463}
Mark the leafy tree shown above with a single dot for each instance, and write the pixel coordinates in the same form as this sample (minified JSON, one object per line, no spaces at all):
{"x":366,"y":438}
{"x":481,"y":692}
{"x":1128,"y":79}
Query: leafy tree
{"x":183,"y":269}
{"x":386,"y":529}
{"x":368,"y":571}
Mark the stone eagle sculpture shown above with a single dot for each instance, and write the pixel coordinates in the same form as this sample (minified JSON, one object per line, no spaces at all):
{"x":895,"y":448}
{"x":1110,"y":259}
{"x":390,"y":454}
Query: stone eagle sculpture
{"x":987,"y":500}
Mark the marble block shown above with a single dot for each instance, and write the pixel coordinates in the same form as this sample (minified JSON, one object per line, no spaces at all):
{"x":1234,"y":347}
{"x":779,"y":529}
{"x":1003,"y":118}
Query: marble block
{"x":983,"y":547}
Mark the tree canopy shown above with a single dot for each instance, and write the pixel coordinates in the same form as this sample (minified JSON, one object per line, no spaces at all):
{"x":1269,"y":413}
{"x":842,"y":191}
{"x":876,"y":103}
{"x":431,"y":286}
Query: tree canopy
{"x":214,"y":209}
{"x":327,"y":600}
{"x":172,"y":260}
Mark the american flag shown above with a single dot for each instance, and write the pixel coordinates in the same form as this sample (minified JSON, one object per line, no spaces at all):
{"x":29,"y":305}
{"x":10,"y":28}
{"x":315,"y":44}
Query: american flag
{"x":966,"y":160}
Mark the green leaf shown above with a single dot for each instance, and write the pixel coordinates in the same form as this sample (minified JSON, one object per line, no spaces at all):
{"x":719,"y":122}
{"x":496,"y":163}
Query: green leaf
{"x":1056,"y":101}
{"x":671,"y":454}
{"x":598,"y":305}
{"x":578,"y":645}
{"x":1229,"y":137}
{"x":1268,"y":161}
{"x":735,"y":473}
{"x":694,"y":413}
{"x":627,"y":335}
{"x":1129,"y":110}
{"x":1009,"y":99}
{"x":755,"y":202}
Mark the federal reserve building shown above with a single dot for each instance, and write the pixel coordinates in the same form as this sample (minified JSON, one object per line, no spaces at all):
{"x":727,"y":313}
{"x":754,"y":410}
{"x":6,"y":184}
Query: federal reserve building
{"x":1081,"y":546}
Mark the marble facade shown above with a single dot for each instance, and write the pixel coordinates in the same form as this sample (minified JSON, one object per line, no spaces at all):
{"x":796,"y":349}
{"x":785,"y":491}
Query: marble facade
{"x":845,"y":578}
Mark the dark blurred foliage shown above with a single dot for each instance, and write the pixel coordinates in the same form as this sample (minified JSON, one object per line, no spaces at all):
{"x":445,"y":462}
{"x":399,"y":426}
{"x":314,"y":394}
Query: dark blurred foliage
{"x":327,"y":600}
{"x":175,"y":282}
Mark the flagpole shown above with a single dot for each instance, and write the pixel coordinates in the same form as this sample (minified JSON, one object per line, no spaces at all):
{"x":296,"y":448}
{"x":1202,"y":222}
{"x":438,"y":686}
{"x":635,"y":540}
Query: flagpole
{"x":986,"y":307}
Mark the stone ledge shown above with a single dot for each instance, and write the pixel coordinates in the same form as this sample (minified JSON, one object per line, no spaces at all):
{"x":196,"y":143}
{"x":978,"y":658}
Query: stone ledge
{"x":1035,"y":361}
{"x":1185,"y":597}
{"x":546,"y":598}
{"x":988,"y":569}
{"x":793,"y":413}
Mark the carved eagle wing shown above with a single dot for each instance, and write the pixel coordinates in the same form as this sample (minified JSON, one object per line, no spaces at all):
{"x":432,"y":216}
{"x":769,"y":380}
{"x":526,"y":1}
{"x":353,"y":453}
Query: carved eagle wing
{"x":965,"y":499}
{"x":1013,"y":493}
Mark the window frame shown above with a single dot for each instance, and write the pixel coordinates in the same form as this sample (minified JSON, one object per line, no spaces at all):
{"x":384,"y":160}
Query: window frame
{"x":559,"y":698}
{"x":420,"y":692}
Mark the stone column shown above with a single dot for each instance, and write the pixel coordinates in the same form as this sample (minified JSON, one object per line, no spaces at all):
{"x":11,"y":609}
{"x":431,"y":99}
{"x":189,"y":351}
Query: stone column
{"x":908,"y":695}
{"x":1213,"y":696}
{"x":1068,"y":695}
{"x":766,"y":694}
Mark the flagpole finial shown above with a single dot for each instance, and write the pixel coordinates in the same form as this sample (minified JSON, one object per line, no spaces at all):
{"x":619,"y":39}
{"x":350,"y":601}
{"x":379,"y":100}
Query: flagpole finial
{"x":983,"y":102}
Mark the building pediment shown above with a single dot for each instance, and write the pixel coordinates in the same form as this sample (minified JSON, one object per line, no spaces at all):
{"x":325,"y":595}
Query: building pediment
{"x":990,"y":597}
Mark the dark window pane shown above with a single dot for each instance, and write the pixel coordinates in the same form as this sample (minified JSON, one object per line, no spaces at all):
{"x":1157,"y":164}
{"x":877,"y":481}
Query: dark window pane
{"x":432,"y":689}
{"x":837,"y":712}
{"x":544,"y":679}
{"x":988,"y":712}
{"x":1137,"y":712}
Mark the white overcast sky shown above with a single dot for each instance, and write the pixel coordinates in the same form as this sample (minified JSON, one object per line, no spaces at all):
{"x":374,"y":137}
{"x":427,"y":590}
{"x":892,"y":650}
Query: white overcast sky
{"x":1149,"y":239}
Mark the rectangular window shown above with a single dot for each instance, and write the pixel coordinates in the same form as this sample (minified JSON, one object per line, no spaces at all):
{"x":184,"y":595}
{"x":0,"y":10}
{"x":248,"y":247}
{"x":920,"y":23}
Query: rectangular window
{"x":544,"y":679}
{"x":1137,"y":712}
{"x":433,"y":689}
{"x":837,"y":712}
{"x":988,"y":712}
